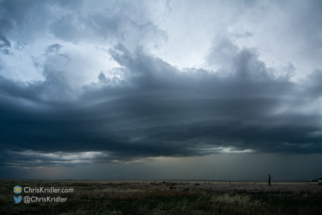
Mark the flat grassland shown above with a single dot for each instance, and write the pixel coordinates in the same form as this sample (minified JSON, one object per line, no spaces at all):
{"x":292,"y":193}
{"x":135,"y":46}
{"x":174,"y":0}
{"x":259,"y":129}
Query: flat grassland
{"x":166,"y":197}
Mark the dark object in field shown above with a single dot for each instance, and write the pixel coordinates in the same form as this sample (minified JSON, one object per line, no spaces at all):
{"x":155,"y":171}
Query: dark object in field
{"x":319,"y":183}
{"x":269,"y":180}
{"x":197,"y":184}
{"x":172,"y":188}
{"x":186,"y":189}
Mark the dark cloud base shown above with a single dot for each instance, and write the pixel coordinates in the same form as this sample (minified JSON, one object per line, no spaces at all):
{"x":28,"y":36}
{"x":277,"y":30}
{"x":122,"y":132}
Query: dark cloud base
{"x":158,"y":110}
{"x":146,"y":107}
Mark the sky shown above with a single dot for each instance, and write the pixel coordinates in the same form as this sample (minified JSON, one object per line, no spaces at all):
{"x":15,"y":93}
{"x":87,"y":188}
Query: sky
{"x":122,"y":90}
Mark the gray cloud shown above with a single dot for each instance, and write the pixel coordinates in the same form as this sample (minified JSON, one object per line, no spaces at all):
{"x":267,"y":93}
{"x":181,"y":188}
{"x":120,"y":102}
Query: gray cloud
{"x":158,"y":110}
{"x":4,"y":42}
{"x":53,"y":48}
{"x":117,"y":22}
{"x":141,"y":105}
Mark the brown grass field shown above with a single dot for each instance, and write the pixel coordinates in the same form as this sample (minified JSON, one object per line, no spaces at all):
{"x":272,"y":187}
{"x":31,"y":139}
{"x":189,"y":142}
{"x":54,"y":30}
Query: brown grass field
{"x":166,"y":197}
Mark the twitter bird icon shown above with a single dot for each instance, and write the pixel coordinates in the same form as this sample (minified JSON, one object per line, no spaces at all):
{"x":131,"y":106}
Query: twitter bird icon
{"x":17,"y":199}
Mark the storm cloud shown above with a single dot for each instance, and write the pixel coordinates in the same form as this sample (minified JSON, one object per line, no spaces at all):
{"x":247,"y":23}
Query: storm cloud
{"x":97,"y":83}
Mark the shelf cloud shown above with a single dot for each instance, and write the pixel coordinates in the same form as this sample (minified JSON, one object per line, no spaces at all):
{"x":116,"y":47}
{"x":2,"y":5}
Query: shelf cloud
{"x":109,"y":82}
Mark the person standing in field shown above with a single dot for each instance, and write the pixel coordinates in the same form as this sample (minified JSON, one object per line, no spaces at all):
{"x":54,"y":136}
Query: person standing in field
{"x":269,"y":180}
